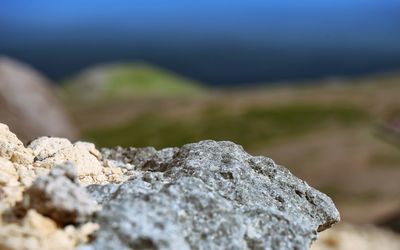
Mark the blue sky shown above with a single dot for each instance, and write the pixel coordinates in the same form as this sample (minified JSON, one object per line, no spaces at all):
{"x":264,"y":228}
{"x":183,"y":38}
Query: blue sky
{"x":241,"y":41}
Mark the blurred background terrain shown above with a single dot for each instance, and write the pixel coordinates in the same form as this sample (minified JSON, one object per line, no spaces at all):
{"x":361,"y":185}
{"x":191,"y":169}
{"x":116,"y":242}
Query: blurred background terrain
{"x":313,"y":85}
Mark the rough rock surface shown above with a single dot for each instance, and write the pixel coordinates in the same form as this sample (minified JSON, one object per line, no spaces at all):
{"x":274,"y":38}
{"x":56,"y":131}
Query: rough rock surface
{"x":51,"y":151}
{"x":58,"y":196}
{"x":12,"y":148}
{"x":205,"y":195}
{"x":45,"y":205}
{"x":54,"y":213}
{"x":208,"y":195}
{"x":24,"y":94}
{"x":36,"y":232}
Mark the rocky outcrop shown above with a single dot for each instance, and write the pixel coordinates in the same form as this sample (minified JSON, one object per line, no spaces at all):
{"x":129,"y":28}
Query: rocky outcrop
{"x":208,"y":195}
{"x":205,"y":195}
{"x":28,"y":104}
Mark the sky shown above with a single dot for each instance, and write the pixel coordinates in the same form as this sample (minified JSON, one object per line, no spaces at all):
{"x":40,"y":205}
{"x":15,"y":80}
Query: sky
{"x":218,"y":42}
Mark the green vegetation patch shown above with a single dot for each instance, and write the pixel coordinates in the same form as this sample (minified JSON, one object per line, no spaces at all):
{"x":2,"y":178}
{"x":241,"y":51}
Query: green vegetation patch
{"x":142,"y":79}
{"x":386,"y":159}
{"x":251,"y":128}
{"x":126,"y":80}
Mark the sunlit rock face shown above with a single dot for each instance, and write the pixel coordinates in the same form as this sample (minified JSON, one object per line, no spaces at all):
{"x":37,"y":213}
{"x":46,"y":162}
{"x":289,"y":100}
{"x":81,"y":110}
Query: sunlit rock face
{"x":208,"y":195}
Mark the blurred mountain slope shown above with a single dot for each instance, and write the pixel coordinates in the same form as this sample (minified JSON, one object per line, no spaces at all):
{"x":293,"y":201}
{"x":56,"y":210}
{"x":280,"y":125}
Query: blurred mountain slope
{"x":29,"y":104}
{"x":125,"y":80}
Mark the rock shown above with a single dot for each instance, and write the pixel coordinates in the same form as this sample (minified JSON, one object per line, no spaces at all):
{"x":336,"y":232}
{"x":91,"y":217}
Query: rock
{"x":205,"y":195}
{"x":45,"y":147}
{"x":35,"y":232}
{"x":10,"y":188}
{"x":13,"y":159}
{"x":12,"y":148}
{"x":29,"y":104}
{"x":139,"y":158}
{"x":59,"y":197}
{"x":208,"y":195}
{"x":55,"y":194}
{"x":90,"y":147}
{"x":51,"y":151}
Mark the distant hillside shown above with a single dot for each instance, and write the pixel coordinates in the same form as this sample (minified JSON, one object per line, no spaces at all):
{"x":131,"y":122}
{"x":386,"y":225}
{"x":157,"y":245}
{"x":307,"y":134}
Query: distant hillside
{"x":29,"y":104}
{"x":126,"y":80}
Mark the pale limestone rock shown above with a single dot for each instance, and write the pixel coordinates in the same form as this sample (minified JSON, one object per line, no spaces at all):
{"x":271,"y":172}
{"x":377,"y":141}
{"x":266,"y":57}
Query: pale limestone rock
{"x":26,"y":175}
{"x":12,"y":148}
{"x":20,"y":166}
{"x":81,"y":234}
{"x":34,"y":232}
{"x":22,"y":156}
{"x":36,"y":221}
{"x":7,"y":169}
{"x":10,"y":187}
{"x":45,"y":147}
{"x":90,"y":147}
{"x":59,"y":196}
{"x":50,"y":152}
{"x":8,"y":142}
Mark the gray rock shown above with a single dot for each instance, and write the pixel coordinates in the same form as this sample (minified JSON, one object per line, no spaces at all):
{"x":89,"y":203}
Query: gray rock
{"x":142,"y":158}
{"x":59,"y":196}
{"x":208,"y":195}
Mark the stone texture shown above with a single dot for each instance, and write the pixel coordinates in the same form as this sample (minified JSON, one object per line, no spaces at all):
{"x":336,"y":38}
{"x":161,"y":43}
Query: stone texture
{"x":12,"y":148}
{"x":208,"y":195}
{"x":51,"y":151}
{"x":138,"y":158}
{"x":36,"y":232}
{"x":59,"y":197}
{"x":205,"y":195}
{"x":20,"y":165}
{"x":10,"y":187}
{"x":45,"y":147}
